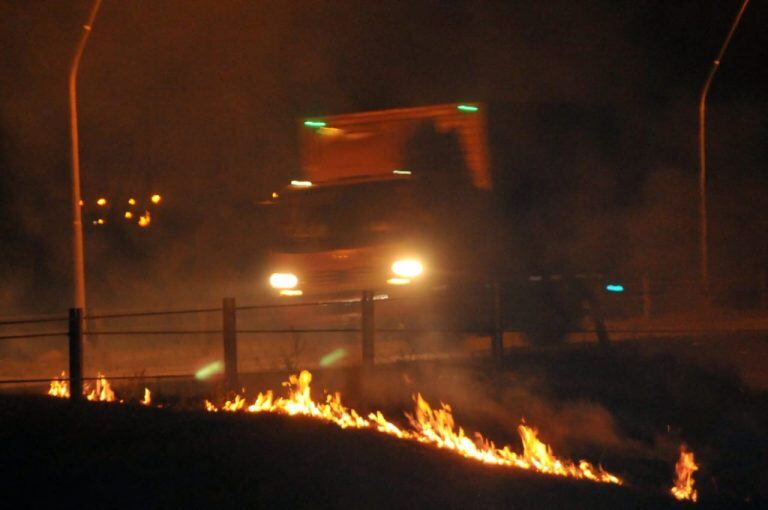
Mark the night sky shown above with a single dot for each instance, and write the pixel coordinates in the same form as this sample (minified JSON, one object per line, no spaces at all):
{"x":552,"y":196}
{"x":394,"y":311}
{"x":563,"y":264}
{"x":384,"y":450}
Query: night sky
{"x":591,"y":105}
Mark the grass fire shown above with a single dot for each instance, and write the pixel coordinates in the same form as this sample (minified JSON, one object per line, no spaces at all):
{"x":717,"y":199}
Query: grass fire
{"x":367,"y":416}
{"x":103,"y":392}
{"x":435,"y":427}
{"x":426,"y":425}
{"x":683,"y":489}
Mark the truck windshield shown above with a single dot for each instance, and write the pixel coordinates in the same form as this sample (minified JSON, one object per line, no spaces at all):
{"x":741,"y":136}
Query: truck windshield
{"x":345,"y":216}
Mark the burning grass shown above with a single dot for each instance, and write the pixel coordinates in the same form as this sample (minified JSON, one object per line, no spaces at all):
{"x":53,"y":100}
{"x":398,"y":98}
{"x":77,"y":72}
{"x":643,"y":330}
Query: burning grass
{"x":427,"y":425}
{"x":147,"y":397}
{"x":103,"y":392}
{"x":59,"y":387}
{"x":683,"y":488}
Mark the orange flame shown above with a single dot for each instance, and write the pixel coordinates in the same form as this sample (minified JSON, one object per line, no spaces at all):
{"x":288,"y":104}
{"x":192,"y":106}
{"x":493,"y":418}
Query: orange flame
{"x":430,"y":426}
{"x":147,"y":397}
{"x":59,"y":388}
{"x":684,"y":469}
{"x":103,"y":391}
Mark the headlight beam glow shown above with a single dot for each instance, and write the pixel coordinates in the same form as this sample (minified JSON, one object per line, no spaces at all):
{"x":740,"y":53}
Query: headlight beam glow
{"x":283,"y":281}
{"x":407,"y":268}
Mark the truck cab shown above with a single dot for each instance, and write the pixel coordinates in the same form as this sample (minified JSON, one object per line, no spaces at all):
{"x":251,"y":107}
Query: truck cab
{"x":387,"y":201}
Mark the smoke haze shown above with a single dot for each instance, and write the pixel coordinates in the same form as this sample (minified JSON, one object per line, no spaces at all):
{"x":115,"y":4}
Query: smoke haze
{"x":199,"y":100}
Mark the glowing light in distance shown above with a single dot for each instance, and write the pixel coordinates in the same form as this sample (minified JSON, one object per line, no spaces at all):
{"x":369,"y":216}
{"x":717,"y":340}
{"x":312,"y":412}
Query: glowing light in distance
{"x":467,"y":108}
{"x":101,"y":202}
{"x":301,"y":184}
{"x":399,"y":281}
{"x":314,"y":123}
{"x":128,"y":215}
{"x":401,"y":172}
{"x":407,"y":268}
{"x":291,"y":292}
{"x":283,"y":280}
{"x":145,"y":219}
{"x":131,"y":201}
{"x":209,"y":370}
{"x":614,"y":287}
{"x":100,"y":221}
{"x":381,"y":297}
{"x":81,"y":203}
{"x":156,"y":198}
{"x":274,"y":194}
{"x":333,"y":356}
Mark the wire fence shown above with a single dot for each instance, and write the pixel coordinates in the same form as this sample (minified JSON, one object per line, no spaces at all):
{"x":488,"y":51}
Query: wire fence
{"x":375,"y":320}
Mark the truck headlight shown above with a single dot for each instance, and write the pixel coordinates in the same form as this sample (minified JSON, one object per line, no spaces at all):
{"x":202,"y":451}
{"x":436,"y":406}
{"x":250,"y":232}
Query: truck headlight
{"x":407,"y":268}
{"x":283,"y":280}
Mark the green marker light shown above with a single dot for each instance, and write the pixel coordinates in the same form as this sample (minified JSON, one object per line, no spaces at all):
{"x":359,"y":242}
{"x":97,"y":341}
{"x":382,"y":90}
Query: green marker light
{"x":467,"y":108}
{"x":332,"y":357}
{"x":314,"y":123}
{"x":210,"y":369}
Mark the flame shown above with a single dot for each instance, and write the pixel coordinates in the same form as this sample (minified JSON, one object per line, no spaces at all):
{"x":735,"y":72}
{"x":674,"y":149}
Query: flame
{"x":59,"y":388}
{"x":428,"y":425}
{"x":684,"y":469}
{"x":103,"y":391}
{"x":156,"y":198}
{"x":147,"y":397}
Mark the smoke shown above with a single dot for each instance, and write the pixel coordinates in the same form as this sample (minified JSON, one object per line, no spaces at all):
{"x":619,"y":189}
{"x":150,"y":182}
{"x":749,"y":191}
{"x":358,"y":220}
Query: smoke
{"x":199,"y":103}
{"x":493,"y":403}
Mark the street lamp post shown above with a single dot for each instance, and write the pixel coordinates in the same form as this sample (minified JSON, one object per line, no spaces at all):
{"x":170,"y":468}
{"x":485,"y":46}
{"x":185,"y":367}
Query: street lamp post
{"x":703,"y":228}
{"x":77,"y":221}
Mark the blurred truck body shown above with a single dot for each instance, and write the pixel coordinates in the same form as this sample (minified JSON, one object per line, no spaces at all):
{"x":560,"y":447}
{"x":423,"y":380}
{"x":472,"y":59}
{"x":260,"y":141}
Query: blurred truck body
{"x":387,"y":199}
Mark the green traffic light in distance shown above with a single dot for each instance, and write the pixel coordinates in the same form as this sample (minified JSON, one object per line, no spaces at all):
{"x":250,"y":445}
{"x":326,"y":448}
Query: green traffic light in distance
{"x":314,"y":123}
{"x":467,"y":108}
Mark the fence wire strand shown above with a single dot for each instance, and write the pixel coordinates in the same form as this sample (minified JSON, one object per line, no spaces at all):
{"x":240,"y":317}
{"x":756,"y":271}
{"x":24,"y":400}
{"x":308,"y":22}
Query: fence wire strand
{"x":34,"y":335}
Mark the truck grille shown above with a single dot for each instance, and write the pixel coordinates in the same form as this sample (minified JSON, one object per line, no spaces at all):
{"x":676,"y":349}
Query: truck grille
{"x":337,"y":276}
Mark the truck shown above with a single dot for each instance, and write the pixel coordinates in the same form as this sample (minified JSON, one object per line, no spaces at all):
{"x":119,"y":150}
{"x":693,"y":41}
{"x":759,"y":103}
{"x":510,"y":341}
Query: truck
{"x":391,"y":201}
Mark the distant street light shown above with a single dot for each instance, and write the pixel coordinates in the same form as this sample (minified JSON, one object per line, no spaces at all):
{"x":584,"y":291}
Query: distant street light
{"x":703,"y":156}
{"x":77,"y":220}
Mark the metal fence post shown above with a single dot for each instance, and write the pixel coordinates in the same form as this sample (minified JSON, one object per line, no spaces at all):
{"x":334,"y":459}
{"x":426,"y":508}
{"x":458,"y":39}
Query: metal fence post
{"x":497,"y":336}
{"x":229,"y":336}
{"x":75,"y":354}
{"x":368,"y":326}
{"x":646,"y":297}
{"x":596,"y":312}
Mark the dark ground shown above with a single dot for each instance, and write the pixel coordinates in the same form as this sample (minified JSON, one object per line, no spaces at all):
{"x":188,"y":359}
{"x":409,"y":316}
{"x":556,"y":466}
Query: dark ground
{"x":111,"y":456}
